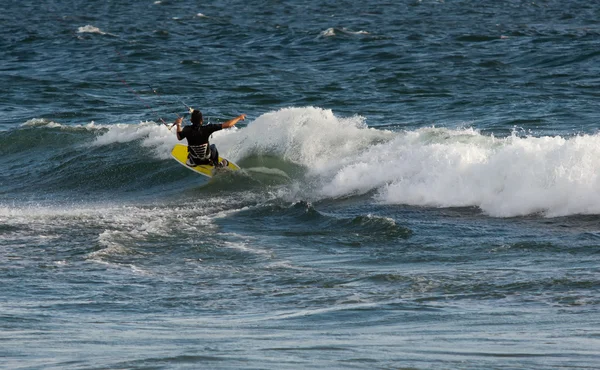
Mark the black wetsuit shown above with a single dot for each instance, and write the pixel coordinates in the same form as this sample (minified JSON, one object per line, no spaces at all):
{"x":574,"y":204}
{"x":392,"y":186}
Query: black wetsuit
{"x":199,"y":151}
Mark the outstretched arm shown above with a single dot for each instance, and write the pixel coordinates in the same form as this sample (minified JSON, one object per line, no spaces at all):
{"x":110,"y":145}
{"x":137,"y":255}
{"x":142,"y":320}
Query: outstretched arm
{"x":232,"y":122}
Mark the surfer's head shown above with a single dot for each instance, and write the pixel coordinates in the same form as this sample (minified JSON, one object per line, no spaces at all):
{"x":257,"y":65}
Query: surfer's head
{"x":196,"y":117}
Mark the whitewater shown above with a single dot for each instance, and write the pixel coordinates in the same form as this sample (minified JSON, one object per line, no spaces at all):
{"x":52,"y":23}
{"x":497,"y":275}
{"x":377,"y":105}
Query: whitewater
{"x":510,"y":176}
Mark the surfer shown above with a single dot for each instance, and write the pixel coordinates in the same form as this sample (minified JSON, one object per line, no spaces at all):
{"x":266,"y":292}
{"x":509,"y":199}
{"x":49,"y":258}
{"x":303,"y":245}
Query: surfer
{"x":200,"y":151}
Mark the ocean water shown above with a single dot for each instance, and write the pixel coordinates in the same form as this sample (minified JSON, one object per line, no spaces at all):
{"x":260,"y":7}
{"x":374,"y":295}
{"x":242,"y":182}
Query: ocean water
{"x":420,"y":185}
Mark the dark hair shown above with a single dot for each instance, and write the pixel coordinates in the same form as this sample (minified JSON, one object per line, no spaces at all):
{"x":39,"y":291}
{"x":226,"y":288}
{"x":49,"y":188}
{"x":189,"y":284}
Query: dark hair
{"x":196,"y":117}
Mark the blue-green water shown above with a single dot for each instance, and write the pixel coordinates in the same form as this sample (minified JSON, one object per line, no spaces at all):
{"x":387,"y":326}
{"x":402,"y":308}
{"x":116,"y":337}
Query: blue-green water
{"x":420,"y":185}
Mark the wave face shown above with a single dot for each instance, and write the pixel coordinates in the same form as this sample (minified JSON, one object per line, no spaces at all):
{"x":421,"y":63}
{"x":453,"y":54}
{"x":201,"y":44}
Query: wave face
{"x":311,"y":153}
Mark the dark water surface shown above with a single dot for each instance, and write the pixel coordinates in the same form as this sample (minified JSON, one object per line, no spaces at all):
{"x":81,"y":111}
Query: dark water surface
{"x":420,"y":185}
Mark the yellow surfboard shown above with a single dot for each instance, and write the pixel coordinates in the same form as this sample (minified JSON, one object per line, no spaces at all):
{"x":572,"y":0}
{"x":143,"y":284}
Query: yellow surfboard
{"x":180,"y":153}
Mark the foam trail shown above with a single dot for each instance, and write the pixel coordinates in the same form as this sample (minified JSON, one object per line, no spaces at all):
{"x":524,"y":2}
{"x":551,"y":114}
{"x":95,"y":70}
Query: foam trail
{"x":151,"y":135}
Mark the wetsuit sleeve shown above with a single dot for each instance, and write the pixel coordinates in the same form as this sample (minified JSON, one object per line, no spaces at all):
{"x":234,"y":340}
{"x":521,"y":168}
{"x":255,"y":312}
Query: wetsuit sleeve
{"x":214,"y":127}
{"x":181,"y":135}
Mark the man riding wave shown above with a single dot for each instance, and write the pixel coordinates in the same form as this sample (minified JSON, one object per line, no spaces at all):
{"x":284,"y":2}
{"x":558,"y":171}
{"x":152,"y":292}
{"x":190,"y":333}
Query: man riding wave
{"x":200,"y":151}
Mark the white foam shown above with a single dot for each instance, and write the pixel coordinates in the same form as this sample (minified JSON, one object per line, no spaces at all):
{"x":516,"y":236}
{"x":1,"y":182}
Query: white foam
{"x":110,"y":246}
{"x":122,"y":227}
{"x":45,"y":123}
{"x":151,"y":135}
{"x":437,"y":167}
{"x":328,"y":32}
{"x":349,"y":32}
{"x":331,"y":32}
{"x":306,"y":136}
{"x":91,"y":29}
{"x":41,"y":122}
{"x":244,"y":247}
{"x":512,"y":176}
